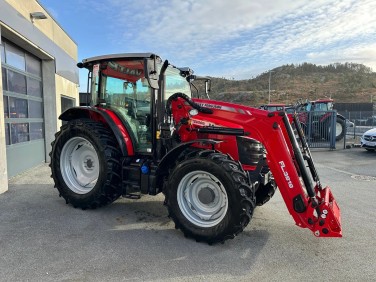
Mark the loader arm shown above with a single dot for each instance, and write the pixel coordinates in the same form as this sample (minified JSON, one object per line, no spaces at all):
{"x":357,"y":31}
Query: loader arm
{"x":310,"y":205}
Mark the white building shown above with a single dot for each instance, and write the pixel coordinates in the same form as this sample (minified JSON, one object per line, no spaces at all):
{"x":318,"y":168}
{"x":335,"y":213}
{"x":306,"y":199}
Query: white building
{"x":39,"y":81}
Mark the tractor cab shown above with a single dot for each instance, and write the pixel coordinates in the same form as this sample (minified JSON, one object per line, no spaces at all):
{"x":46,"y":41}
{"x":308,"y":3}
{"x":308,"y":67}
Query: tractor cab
{"x":320,"y":105}
{"x":131,"y":86}
{"x":323,"y":105}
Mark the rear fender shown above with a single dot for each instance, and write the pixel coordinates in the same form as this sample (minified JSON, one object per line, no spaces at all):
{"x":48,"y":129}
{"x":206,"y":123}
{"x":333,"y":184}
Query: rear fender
{"x":107,"y":117}
{"x":341,"y":117}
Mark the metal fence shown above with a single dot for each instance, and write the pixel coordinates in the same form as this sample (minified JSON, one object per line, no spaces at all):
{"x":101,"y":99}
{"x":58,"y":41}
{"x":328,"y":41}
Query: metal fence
{"x":361,"y":118}
{"x":319,"y":128}
{"x":357,"y":122}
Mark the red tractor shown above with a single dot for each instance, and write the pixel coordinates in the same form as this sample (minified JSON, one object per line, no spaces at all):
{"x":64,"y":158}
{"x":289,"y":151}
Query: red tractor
{"x":144,"y":133}
{"x":320,"y":111}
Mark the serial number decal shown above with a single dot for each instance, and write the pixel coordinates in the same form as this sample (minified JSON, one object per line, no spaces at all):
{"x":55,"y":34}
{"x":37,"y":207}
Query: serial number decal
{"x":286,"y":174}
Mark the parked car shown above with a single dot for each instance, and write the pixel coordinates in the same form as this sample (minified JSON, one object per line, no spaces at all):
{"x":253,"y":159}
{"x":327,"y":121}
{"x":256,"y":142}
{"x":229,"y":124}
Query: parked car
{"x":368,"y":140}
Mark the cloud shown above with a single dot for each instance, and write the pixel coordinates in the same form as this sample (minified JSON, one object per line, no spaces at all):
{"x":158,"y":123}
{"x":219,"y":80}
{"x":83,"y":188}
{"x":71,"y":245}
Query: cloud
{"x":361,"y":54}
{"x":241,"y":37}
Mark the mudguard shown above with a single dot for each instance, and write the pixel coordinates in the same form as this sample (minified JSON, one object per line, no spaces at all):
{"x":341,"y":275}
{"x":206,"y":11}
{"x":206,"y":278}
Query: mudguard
{"x":105,"y":116}
{"x":172,"y":155}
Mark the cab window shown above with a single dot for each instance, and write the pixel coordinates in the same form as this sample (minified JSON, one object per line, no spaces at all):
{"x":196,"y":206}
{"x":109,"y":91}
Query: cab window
{"x":174,"y":83}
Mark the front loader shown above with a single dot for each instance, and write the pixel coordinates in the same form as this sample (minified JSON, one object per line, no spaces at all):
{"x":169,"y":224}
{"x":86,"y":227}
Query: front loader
{"x":144,"y":133}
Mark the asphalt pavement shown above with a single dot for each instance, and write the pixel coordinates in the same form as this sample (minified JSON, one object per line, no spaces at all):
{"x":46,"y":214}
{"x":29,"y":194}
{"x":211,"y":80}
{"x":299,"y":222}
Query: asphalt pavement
{"x":43,"y":239}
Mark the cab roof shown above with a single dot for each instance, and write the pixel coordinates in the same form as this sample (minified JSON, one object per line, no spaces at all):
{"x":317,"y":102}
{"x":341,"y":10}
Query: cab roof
{"x":91,"y":60}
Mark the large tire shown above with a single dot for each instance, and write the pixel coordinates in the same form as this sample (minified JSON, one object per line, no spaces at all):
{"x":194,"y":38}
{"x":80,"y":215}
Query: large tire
{"x":209,"y":197}
{"x":340,"y":128}
{"x":85,"y":164}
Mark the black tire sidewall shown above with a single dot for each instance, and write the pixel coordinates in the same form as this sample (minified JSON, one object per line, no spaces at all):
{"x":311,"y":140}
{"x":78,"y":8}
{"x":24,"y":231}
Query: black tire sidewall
{"x":84,"y":130}
{"x":343,"y":125}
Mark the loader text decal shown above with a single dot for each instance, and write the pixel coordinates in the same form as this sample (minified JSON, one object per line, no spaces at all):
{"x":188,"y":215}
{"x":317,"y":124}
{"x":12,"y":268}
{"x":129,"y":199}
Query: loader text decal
{"x":201,"y":123}
{"x":286,"y":174}
{"x":211,"y":106}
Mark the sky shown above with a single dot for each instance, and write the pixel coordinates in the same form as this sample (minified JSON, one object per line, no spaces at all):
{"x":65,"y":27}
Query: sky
{"x":234,"y":39}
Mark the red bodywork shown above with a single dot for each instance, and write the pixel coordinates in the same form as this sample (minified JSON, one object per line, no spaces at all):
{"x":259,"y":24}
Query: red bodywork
{"x":124,"y":132}
{"x":323,"y":219}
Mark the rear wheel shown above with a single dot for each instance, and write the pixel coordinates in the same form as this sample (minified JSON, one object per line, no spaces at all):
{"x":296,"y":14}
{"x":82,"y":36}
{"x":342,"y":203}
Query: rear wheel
{"x":85,"y":164}
{"x":340,"y":128}
{"x":209,"y":197}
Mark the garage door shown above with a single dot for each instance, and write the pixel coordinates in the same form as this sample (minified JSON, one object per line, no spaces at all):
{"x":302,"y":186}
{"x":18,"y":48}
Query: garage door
{"x":23,"y":108}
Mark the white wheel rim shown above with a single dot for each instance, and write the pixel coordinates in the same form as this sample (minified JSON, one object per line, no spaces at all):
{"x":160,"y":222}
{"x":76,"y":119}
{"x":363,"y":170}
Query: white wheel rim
{"x":202,"y":198}
{"x":79,"y":165}
{"x":338,"y":129}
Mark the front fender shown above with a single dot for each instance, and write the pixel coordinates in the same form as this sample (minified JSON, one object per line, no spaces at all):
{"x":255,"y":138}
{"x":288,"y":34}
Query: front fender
{"x":169,"y":159}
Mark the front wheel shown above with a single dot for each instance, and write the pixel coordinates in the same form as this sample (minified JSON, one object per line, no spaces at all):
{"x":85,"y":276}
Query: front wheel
{"x":85,"y":164}
{"x":209,"y":197}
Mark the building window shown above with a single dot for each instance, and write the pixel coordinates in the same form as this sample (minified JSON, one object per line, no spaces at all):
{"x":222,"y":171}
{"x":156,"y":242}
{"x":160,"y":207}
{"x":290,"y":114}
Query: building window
{"x":67,"y":103}
{"x":6,"y":108}
{"x":19,"y":132}
{"x":34,"y":87}
{"x":2,"y":54}
{"x":4,"y":78}
{"x":16,"y":82}
{"x":18,"y":108}
{"x":36,"y":130}
{"x":14,"y":57}
{"x":35,"y":109}
{"x":23,"y":96}
{"x":7,"y":139}
{"x":33,"y":65}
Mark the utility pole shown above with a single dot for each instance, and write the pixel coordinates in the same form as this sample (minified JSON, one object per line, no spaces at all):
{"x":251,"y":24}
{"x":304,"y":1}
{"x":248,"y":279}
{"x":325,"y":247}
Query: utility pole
{"x":270,"y":76}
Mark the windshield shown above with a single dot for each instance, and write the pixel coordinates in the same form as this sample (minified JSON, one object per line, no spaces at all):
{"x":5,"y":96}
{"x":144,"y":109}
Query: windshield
{"x":322,"y":107}
{"x":119,"y":92}
{"x":120,"y":82}
{"x":174,"y":83}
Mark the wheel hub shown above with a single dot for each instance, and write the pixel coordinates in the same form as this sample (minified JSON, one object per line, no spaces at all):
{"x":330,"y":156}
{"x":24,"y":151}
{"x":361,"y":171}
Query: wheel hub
{"x":89,"y":164}
{"x":206,"y":195}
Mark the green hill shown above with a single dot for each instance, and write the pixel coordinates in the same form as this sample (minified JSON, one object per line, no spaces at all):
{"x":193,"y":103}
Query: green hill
{"x":346,"y":82}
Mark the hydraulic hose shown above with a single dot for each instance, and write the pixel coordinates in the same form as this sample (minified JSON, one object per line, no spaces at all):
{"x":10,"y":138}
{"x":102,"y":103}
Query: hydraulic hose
{"x":189,"y":101}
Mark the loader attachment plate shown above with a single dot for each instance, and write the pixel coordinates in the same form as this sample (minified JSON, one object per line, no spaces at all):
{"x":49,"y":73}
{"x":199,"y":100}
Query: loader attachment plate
{"x":328,"y":223}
